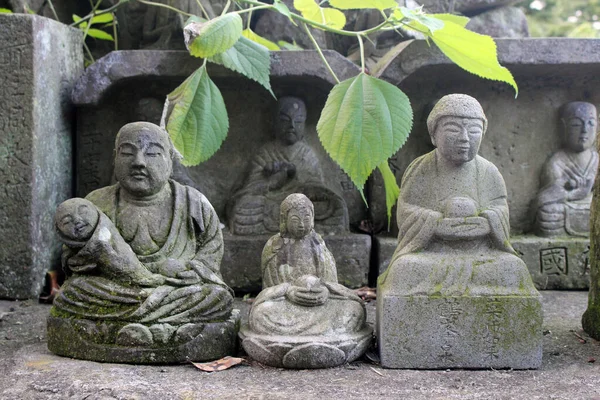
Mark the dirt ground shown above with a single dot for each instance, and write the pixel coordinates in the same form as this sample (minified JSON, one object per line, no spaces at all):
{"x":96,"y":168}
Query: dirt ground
{"x":29,"y":371}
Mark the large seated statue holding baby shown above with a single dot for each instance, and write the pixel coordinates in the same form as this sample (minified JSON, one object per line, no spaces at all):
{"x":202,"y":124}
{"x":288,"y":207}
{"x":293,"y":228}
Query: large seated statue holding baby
{"x":142,"y":259}
{"x":454,"y":278}
{"x":303,"y":318}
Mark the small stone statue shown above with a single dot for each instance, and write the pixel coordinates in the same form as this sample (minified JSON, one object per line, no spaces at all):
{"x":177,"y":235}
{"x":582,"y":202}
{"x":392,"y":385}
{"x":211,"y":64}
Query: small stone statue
{"x":281,"y":167}
{"x":562,"y":206}
{"x":303,"y":318}
{"x":454,"y":261}
{"x":142,"y":259}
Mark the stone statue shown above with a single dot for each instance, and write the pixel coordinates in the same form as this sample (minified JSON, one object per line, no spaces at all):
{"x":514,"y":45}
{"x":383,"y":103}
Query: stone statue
{"x":303,"y":318}
{"x":562,"y":206}
{"x":142,"y":259}
{"x":284,"y":166}
{"x":453,"y":244}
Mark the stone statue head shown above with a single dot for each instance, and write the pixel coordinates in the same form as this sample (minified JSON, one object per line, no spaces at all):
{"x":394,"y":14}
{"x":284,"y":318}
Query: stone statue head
{"x":290,"y":120}
{"x":76,"y":219}
{"x":143,"y":158}
{"x":580,"y":121}
{"x":296,"y":216}
{"x":456,"y":125}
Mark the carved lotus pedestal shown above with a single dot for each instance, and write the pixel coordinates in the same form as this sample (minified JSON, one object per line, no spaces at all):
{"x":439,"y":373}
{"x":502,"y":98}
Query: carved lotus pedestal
{"x":305,"y":352}
{"x":103,"y":341}
{"x":431,"y":332}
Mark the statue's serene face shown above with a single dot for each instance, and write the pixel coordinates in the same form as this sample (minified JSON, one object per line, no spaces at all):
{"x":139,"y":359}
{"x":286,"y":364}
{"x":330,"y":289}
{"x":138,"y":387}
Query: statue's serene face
{"x":580,"y":129}
{"x":457,"y":138}
{"x":143,"y":162}
{"x":76,"y":220}
{"x":299,"y":222}
{"x":290,"y":122}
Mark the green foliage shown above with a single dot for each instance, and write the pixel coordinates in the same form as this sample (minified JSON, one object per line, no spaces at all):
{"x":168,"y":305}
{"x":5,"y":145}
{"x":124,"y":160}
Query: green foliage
{"x":249,"y":34}
{"x":364,"y":122}
{"x":392,"y":191}
{"x":566,"y":18}
{"x":197,"y":118}
{"x":205,"y":39}
{"x":418,"y":20}
{"x":249,"y":59}
{"x":363,"y":4}
{"x":106,"y":19}
{"x":5,"y":11}
{"x":457,"y":19}
{"x":327,"y":16}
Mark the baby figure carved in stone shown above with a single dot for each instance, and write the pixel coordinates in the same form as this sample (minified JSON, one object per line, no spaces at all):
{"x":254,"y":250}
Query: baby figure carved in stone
{"x":303,"y":318}
{"x":562,"y":206}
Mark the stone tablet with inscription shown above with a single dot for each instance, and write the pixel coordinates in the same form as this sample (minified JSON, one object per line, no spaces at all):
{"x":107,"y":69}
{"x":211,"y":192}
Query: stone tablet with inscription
{"x":40,"y":60}
{"x":455,"y":294}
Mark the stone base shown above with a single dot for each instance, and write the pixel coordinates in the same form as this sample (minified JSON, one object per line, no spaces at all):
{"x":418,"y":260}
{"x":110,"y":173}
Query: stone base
{"x":459,"y":332}
{"x":305,"y":352}
{"x":241,"y":261}
{"x":554,"y":263}
{"x":79,"y":338}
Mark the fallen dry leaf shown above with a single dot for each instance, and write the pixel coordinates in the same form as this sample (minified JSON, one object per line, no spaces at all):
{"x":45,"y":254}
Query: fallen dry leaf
{"x":219,"y":365}
{"x":54,"y":287}
{"x":367,"y":293}
{"x":591,"y":360}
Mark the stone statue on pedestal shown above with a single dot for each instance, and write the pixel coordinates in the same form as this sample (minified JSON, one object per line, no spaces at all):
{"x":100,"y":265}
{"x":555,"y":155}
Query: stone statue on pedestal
{"x":303,"y":318}
{"x":142,"y":258}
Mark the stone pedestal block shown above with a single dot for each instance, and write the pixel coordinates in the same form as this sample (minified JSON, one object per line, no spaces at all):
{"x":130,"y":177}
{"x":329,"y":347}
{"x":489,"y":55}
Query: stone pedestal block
{"x":557,"y":263}
{"x":428,"y":332}
{"x":40,"y":60}
{"x":241,"y":261}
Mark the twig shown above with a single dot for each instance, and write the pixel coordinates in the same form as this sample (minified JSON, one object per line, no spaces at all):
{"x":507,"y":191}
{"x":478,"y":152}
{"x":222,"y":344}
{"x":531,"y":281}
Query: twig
{"x":377,"y":372}
{"x":105,"y":11}
{"x":581,"y":339}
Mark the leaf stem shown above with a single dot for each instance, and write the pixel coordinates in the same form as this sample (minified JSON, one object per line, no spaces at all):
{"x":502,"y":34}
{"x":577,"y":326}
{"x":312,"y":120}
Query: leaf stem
{"x":362,"y":53}
{"x":203,"y":9}
{"x":312,"y":38}
{"x":88,"y":26}
{"x":151,"y":3}
{"x":227,"y":5}
{"x":249,"y":17}
{"x":249,"y":10}
{"x":53,"y":9}
{"x":105,"y":11}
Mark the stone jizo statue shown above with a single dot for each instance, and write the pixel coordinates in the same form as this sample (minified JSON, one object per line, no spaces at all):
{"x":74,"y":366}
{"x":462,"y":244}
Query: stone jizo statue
{"x":454,"y":278}
{"x":284,"y":166}
{"x":303,"y":318}
{"x":562,"y":206}
{"x":142,"y":259}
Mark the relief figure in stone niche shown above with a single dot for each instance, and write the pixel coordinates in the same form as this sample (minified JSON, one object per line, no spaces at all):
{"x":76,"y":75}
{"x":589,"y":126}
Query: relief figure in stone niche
{"x":281,"y":167}
{"x":562,"y":206}
{"x":143,"y":254}
{"x":453,"y":215}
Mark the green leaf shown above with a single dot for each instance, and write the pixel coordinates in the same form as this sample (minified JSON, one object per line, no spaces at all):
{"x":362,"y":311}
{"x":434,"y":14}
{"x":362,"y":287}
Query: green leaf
{"x":283,"y":9}
{"x":98,"y":34}
{"x":248,"y":58}
{"x":289,"y":46}
{"x":102,"y":19}
{"x":327,"y":16}
{"x":364,"y":122}
{"x":249,"y":34}
{"x":457,"y":19}
{"x":197,"y":118}
{"x":5,"y":11}
{"x":418,"y":20}
{"x":205,"y":39}
{"x":360,"y":4}
{"x":392,"y":191}
{"x":472,"y":52}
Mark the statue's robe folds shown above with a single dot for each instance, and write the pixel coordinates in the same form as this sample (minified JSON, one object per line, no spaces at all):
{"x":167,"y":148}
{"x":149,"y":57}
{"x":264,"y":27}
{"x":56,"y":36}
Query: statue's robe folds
{"x":425,"y":264}
{"x":273,"y":314}
{"x":254,"y":209}
{"x":555,"y":213}
{"x":94,"y":291}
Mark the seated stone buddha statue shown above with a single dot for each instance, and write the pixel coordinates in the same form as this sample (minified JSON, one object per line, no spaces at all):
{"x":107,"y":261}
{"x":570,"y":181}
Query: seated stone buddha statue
{"x":562,"y":206}
{"x":303,"y":318}
{"x":453,"y":214}
{"x":284,"y":166}
{"x":142,"y":258}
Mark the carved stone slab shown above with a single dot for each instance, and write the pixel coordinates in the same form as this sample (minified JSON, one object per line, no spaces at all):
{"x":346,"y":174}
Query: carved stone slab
{"x":459,"y":332}
{"x":40,"y":60}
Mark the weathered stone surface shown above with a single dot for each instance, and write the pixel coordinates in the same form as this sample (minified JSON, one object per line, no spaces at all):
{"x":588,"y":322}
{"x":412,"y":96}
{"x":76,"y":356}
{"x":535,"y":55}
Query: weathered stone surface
{"x":503,"y":22}
{"x":81,"y":338}
{"x":454,"y":257}
{"x":40,"y":61}
{"x":241,"y":261}
{"x":555,"y":263}
{"x":126,"y":86}
{"x":303,"y":318}
{"x":523,"y":132}
{"x":468,"y":7}
{"x":430,"y":332}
